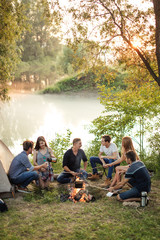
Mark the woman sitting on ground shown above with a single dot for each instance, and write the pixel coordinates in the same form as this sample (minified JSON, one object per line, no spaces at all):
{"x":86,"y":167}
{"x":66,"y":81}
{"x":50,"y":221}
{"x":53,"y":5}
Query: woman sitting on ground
{"x":127,"y":145}
{"x":42,"y":153}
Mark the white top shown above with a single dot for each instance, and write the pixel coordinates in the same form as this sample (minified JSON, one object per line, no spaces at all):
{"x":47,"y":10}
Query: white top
{"x":110,"y":150}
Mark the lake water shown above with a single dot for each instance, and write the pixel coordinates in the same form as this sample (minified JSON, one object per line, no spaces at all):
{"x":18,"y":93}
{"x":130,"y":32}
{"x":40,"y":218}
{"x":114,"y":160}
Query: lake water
{"x":28,"y":116}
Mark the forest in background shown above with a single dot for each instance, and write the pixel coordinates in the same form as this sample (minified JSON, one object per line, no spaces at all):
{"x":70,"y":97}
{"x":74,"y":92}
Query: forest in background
{"x":124,"y":43}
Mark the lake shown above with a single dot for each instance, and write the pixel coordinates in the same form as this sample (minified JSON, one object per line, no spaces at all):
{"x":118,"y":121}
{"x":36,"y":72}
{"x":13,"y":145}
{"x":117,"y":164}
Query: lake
{"x":27,"y":116}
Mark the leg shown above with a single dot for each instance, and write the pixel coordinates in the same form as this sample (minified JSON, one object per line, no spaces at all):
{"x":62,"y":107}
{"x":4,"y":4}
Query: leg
{"x":46,"y":184}
{"x":83,"y":174}
{"x":130,"y":194}
{"x":93,"y":161}
{"x":114,"y":181}
{"x":117,"y":177}
{"x":41,"y":183}
{"x":64,"y":177}
{"x":26,"y":178}
{"x":110,"y":169}
{"x":119,"y":173}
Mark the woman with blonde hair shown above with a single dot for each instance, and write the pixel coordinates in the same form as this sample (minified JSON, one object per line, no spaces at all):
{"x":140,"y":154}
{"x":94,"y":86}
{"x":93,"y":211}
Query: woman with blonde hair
{"x":127,"y":145}
{"x":42,"y":153}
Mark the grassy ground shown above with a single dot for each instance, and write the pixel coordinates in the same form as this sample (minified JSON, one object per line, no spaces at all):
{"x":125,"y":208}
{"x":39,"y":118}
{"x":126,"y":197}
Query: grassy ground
{"x":41,"y":215}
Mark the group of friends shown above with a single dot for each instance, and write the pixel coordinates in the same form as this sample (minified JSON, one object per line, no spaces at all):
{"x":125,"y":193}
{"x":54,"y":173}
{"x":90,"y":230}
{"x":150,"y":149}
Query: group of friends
{"x":134,"y":174}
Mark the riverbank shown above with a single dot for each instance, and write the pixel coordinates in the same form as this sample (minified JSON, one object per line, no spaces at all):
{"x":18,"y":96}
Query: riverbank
{"x":83,"y":82}
{"x":21,"y":88}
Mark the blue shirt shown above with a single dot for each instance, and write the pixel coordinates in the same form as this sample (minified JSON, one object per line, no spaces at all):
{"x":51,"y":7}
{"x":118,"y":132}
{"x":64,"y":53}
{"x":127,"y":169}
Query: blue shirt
{"x":139,"y":176}
{"x":19,"y":165}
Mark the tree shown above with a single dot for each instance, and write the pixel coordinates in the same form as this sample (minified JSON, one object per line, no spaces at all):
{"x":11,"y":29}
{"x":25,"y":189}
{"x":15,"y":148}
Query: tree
{"x":12,"y":23}
{"x":39,"y":44}
{"x":156,"y":4}
{"x":114,"y":21}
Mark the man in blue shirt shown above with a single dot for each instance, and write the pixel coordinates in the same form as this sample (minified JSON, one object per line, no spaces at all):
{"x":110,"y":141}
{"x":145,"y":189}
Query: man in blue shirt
{"x":21,"y":171}
{"x":137,"y":177}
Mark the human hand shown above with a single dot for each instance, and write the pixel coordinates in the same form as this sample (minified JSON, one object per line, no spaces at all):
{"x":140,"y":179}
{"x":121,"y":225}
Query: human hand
{"x":43,"y":169}
{"x":74,"y":174}
{"x":111,"y":189}
{"x":106,"y":165}
{"x":45,"y":165}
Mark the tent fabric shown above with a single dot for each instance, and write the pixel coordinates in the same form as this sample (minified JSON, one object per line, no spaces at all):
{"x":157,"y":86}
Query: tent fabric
{"x":5,"y":185}
{"x":6,"y":158}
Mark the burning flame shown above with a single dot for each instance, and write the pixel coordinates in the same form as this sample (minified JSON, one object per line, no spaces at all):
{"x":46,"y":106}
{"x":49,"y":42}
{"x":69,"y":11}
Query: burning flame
{"x":78,"y":194}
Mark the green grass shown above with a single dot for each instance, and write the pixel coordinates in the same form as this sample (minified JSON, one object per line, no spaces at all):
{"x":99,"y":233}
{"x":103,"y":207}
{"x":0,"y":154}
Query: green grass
{"x":83,"y":82}
{"x":45,"y":217}
{"x":72,"y":84}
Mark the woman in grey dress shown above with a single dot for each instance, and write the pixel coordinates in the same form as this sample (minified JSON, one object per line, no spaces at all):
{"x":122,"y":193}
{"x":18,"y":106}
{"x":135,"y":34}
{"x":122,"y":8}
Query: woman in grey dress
{"x":42,"y":153}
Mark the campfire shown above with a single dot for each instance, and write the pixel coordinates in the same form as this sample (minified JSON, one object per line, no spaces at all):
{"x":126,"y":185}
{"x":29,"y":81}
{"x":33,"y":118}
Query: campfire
{"x":79,"y":193}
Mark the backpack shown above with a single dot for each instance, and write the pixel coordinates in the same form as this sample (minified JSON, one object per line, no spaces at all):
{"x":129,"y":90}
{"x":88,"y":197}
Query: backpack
{"x":3,"y":206}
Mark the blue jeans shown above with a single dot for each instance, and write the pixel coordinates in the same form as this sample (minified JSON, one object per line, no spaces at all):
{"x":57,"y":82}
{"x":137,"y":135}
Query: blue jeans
{"x":95,"y":160}
{"x":132,"y":193}
{"x":64,"y":177}
{"x":25,"y":178}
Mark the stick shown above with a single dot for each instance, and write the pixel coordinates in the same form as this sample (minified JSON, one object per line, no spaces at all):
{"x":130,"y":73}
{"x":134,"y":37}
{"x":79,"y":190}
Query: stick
{"x":98,"y":187}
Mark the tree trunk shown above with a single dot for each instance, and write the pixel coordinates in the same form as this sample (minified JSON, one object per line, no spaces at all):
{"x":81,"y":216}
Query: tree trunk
{"x":156,"y":4}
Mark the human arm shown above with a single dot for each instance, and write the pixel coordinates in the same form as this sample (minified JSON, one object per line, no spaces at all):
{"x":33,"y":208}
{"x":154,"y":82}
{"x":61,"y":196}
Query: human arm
{"x":35,"y":158}
{"x":115,"y":162}
{"x":40,"y":167}
{"x":101,"y":158}
{"x":119,"y":185}
{"x":85,"y":165}
{"x":52,"y":155}
{"x":67,"y":163}
{"x":113,"y":156}
{"x":69,"y":171}
{"x":29,"y":167}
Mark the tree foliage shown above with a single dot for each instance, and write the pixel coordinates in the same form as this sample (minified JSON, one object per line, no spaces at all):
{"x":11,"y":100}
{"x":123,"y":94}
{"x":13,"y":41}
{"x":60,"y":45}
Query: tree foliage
{"x":12,"y":23}
{"x":39,"y":44}
{"x":117,"y":25}
{"x":119,"y":33}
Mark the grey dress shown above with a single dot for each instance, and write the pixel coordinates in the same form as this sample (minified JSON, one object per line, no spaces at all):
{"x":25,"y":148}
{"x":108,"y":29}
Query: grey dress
{"x":42,"y":158}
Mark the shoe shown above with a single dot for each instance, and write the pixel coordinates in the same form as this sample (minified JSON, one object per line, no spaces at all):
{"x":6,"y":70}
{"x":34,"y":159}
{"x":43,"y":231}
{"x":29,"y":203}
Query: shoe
{"x":23,"y":190}
{"x":107,"y":183}
{"x":89,"y":175}
{"x":94,"y":177}
{"x":72,"y":179}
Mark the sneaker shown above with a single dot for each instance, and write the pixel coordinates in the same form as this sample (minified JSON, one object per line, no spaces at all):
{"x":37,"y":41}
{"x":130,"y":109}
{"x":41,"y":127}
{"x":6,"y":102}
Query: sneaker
{"x":23,"y":190}
{"x":72,"y":179}
{"x":107,"y":183}
{"x":94,"y":177}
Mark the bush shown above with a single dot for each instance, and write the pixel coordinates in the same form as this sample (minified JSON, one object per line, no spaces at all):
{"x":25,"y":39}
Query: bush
{"x":154,"y":158}
{"x":60,"y":145}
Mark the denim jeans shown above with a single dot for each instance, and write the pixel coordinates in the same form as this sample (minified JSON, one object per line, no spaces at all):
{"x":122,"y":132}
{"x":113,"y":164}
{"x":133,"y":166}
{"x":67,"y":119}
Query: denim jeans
{"x":25,"y":178}
{"x":132,"y":193}
{"x":64,"y":177}
{"x":95,"y":160}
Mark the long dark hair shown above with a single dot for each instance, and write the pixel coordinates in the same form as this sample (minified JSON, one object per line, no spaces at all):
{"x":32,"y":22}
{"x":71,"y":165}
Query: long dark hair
{"x":41,"y":138}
